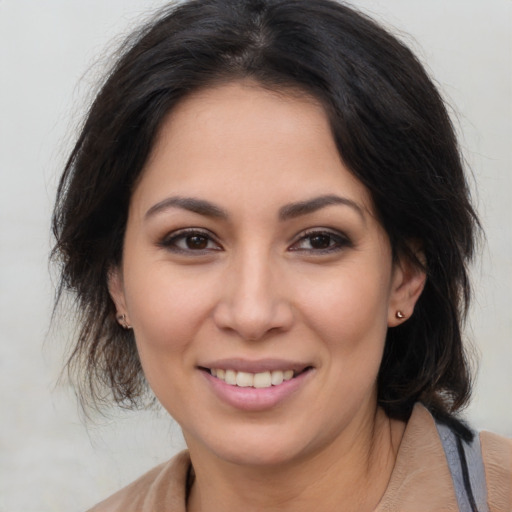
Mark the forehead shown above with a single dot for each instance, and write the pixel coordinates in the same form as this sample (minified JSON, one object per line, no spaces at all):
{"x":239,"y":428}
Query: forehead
{"x":230,"y":112}
{"x":241,"y":139}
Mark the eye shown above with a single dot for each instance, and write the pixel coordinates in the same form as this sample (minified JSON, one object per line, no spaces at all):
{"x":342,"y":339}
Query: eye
{"x":189,"y":241}
{"x":320,"y":241}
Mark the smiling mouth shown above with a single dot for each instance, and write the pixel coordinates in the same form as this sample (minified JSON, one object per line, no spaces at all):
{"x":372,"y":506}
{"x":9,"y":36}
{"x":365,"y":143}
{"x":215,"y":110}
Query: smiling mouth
{"x":254,"y":380}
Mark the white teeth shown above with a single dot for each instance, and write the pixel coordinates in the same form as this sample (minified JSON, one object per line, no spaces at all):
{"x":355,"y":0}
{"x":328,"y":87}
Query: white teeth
{"x":262,"y":380}
{"x":230,"y":377}
{"x":256,"y":380}
{"x":244,"y":379}
{"x":277,"y":378}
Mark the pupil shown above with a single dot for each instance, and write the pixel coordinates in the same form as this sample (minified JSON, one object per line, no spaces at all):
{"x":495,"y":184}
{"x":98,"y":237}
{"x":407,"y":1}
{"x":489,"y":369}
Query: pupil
{"x":197,"y":242}
{"x":320,"y":241}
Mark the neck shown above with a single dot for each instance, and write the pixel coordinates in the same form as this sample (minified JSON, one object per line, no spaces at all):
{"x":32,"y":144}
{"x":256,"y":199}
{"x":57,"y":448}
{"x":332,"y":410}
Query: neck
{"x":351,"y":473}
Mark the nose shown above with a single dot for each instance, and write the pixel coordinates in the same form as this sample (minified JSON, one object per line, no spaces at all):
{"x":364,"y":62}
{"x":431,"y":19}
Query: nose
{"x":253,"y":301}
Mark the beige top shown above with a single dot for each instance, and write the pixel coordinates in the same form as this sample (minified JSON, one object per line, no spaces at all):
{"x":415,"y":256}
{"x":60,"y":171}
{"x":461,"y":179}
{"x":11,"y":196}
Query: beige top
{"x":420,"y":481}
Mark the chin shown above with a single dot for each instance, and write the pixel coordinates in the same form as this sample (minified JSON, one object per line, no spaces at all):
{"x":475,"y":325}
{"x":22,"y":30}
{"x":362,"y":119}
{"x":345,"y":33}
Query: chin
{"x":259,"y":456}
{"x":257,"y":446}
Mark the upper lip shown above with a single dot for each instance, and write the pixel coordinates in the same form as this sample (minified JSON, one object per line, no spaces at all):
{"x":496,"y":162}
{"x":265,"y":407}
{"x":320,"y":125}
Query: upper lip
{"x":256,"y":366}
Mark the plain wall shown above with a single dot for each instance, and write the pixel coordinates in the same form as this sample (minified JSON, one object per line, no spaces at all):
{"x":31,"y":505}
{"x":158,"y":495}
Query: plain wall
{"x":49,"y":459}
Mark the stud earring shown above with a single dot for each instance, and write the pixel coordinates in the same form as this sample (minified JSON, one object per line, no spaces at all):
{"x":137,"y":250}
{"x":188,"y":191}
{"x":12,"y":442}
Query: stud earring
{"x":123,"y":322}
{"x":400,"y":315}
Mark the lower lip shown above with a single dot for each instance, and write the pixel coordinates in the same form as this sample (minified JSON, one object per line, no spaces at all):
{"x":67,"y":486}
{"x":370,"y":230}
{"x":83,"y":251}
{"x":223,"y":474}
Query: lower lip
{"x":256,"y":399}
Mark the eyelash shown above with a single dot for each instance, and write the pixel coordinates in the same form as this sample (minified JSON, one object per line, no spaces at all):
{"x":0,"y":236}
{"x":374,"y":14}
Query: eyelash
{"x":170,"y":242}
{"x":337,"y":241}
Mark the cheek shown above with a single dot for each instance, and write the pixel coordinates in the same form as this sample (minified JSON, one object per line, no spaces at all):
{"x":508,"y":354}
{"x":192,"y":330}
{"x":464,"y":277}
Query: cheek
{"x":166,"y":308}
{"x":166,"y":312}
{"x":352,"y":304}
{"x":349,"y":313}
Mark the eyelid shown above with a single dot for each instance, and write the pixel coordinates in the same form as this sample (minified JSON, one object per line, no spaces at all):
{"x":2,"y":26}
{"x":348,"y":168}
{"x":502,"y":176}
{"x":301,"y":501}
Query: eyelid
{"x":342,"y":240}
{"x":168,"y":242}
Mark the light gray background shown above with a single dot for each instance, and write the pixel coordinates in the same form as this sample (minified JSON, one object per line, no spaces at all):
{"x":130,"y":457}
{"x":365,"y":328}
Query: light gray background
{"x":49,"y":460}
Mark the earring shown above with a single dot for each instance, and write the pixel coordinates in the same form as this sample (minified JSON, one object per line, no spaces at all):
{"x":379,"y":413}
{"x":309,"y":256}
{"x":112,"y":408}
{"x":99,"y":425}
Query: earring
{"x":399,"y":315}
{"x":123,"y":322}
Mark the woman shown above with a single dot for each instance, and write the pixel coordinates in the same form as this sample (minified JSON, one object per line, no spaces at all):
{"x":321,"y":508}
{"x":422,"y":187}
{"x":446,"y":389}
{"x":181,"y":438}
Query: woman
{"x":265,"y":220}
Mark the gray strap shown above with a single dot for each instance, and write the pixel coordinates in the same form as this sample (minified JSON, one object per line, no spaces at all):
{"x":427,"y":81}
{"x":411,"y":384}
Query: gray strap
{"x":477,"y":472}
{"x":475,"y":466}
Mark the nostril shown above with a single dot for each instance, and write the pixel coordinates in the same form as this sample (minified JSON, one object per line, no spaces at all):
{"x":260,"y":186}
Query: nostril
{"x":252,"y":312}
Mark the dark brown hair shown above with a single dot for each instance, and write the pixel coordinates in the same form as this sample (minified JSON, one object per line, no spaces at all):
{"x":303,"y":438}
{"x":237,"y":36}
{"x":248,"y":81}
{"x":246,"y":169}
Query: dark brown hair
{"x":392,"y":130}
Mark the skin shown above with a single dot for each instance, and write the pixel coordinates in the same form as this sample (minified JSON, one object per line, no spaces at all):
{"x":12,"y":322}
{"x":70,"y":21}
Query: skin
{"x":319,"y":287}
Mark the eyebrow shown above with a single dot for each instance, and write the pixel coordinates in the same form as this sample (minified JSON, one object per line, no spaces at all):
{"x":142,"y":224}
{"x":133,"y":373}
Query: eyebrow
{"x":289,"y":211}
{"x":293,"y":210}
{"x":200,"y":206}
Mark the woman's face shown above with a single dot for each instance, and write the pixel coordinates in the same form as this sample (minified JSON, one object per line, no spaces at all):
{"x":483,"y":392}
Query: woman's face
{"x":257,"y":279}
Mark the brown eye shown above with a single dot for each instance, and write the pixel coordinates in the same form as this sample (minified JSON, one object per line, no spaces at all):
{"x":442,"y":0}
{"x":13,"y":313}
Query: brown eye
{"x":196,"y":242}
{"x":190,"y":241}
{"x":321,"y":241}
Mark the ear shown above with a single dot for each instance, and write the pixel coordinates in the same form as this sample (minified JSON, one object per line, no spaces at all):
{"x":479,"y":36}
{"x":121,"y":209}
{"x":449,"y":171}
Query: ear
{"x":408,"y":282}
{"x":116,"y":289}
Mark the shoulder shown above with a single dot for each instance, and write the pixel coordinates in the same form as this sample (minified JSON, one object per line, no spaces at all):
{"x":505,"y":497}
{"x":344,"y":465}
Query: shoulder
{"x":430,"y":474}
{"x":497,"y":458}
{"x":161,"y":488}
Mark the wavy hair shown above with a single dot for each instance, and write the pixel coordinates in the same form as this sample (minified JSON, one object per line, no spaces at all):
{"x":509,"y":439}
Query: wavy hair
{"x":392,"y":131}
